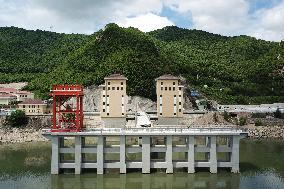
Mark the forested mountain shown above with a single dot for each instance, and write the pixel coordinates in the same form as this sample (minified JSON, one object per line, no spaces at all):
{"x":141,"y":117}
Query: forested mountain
{"x":232,"y":69}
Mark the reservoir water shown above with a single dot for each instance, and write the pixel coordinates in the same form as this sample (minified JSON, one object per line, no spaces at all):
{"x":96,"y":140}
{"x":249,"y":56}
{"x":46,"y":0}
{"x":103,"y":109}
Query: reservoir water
{"x":27,"y":166}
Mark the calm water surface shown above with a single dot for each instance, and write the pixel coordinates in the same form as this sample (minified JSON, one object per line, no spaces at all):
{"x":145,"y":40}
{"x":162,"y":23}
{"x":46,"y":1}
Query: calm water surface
{"x":28,"y":166}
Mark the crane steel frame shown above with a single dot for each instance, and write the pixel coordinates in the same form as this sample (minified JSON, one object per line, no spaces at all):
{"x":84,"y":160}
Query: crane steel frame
{"x":61,"y":94}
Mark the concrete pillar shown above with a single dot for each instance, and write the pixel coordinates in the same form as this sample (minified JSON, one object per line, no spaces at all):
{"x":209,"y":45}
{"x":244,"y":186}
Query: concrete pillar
{"x":55,"y":156}
{"x":100,"y":155}
{"x":122,"y":154}
{"x":213,"y":155}
{"x":190,"y":154}
{"x":146,"y":154}
{"x":169,"y":154}
{"x":78,"y":154}
{"x":235,"y":154}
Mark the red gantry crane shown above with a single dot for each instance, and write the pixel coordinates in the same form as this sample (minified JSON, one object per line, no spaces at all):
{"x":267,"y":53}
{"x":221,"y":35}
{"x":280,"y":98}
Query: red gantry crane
{"x":67,"y":108}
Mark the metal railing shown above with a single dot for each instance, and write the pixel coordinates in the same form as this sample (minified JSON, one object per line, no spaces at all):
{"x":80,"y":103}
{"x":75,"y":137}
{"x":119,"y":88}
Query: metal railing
{"x":162,"y":130}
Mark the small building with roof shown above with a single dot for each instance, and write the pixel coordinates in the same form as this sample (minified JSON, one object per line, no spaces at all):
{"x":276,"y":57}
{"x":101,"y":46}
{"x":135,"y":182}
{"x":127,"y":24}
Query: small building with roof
{"x":113,"y":100}
{"x":7,"y":99}
{"x":33,"y":107}
{"x":169,"y":99}
{"x":21,"y":95}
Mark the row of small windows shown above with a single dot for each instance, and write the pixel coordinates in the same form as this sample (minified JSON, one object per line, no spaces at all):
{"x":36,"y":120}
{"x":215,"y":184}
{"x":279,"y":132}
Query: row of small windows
{"x":120,"y":83}
{"x":170,"y":88}
{"x":162,"y":83}
{"x":113,"y":88}
{"x":23,"y":95}
{"x":31,"y":106}
{"x":34,"y":111}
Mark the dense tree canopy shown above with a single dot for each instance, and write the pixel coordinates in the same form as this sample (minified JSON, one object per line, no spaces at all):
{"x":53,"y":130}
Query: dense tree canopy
{"x":235,"y":69}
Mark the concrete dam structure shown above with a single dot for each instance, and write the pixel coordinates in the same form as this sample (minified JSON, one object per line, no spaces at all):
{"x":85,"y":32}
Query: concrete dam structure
{"x":156,"y":147}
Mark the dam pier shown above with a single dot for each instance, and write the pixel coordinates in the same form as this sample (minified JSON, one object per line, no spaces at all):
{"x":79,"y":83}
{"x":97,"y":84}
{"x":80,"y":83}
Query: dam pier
{"x":191,"y":142}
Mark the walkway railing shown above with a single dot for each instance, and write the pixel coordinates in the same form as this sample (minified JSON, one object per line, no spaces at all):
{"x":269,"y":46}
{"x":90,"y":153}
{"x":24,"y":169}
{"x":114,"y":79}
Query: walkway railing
{"x":165,"y":130}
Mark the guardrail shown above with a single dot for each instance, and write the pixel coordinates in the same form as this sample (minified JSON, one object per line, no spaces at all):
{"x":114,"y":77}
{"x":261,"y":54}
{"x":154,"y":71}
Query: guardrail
{"x":158,"y":130}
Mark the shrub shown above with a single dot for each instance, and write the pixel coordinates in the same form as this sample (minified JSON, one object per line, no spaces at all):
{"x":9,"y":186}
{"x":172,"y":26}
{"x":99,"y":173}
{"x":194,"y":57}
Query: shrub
{"x":17,"y":118}
{"x":258,"y":122}
{"x":278,"y":114}
{"x":215,"y":117}
{"x":226,"y":116}
{"x":242,"y":121}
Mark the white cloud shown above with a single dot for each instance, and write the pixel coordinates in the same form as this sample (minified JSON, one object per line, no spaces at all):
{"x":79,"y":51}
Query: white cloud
{"x":268,"y":24}
{"x":78,"y":16}
{"x":219,"y":16}
{"x":233,"y":17}
{"x":226,"y":17}
{"x":146,"y":22}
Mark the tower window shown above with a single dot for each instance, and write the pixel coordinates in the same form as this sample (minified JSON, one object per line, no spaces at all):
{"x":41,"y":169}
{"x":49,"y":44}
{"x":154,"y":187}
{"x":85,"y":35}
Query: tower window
{"x":162,"y":83}
{"x":166,"y":88}
{"x":113,"y":88}
{"x":174,"y":88}
{"x":108,"y":88}
{"x":174,"y":83}
{"x":121,"y":88}
{"x":117,"y":88}
{"x":104,"y":88}
{"x":104,"y":103}
{"x":107,"y":113}
{"x":170,"y":88}
{"x":161,"y":88}
{"x":121,"y":83}
{"x":179,"y":103}
{"x":104,"y":110}
{"x":179,"y":110}
{"x":108,"y":83}
{"x":179,"y":88}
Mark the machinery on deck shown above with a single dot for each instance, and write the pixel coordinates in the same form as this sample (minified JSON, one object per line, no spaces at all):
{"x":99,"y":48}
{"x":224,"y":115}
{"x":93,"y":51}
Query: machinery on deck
{"x":67,"y":108}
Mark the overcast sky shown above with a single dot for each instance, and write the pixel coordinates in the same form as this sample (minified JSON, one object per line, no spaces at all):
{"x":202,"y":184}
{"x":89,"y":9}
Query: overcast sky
{"x":262,"y":19}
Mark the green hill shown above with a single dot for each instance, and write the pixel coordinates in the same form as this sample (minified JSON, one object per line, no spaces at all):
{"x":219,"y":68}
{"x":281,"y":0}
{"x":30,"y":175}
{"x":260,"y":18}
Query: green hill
{"x":234,"y":69}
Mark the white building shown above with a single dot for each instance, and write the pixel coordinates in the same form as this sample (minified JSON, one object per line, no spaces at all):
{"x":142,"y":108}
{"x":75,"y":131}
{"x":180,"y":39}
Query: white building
{"x":7,"y":99}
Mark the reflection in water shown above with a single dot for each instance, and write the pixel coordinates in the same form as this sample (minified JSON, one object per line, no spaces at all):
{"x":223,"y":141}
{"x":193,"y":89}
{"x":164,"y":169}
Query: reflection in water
{"x":27,"y":166}
{"x":146,"y":181}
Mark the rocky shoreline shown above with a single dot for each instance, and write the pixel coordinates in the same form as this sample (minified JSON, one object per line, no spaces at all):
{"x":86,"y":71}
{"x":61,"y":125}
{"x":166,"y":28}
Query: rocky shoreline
{"x":20,"y":135}
{"x":17,"y":135}
{"x":274,"y":132}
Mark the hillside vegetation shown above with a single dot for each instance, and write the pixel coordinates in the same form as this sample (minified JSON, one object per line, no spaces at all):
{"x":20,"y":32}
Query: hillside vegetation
{"x":227,"y":69}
